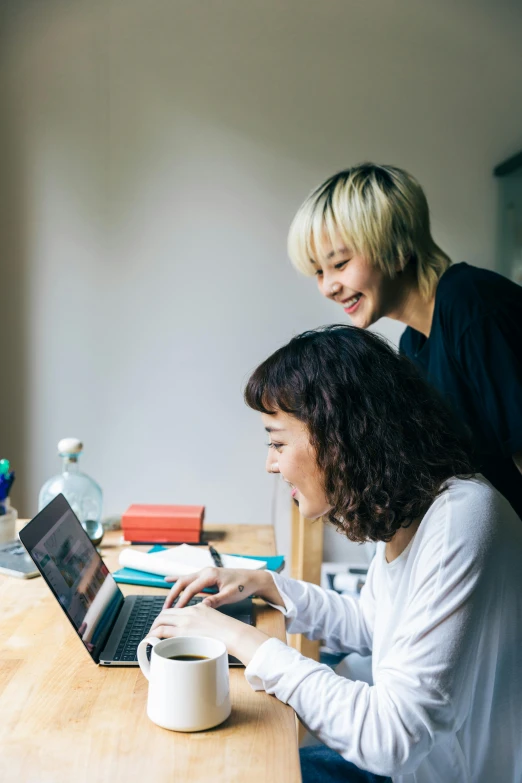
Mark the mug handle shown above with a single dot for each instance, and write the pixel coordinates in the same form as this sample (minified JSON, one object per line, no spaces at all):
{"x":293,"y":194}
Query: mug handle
{"x":142,"y":654}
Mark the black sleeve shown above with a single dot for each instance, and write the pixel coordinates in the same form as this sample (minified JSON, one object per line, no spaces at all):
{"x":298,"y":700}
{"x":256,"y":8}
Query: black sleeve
{"x":490,"y":353}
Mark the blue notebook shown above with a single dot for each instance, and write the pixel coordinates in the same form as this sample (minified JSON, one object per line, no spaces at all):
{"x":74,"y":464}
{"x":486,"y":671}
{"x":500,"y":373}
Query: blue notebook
{"x":130,"y":576}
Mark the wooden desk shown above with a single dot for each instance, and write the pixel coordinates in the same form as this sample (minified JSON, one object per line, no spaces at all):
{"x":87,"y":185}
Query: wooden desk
{"x":65,"y":720}
{"x":307,"y":557}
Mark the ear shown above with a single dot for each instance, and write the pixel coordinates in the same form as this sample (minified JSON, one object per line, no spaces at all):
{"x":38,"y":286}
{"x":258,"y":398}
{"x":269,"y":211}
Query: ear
{"x":402,"y":266}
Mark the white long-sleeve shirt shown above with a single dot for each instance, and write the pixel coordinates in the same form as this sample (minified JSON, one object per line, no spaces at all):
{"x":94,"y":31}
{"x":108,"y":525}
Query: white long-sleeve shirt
{"x":443,"y":622}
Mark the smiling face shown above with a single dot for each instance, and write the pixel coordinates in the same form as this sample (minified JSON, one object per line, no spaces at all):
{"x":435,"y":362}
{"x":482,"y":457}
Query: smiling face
{"x":291,"y":454}
{"x":363,"y":291}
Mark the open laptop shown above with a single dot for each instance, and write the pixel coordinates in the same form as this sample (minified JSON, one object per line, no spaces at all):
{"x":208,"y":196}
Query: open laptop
{"x":110,"y":625}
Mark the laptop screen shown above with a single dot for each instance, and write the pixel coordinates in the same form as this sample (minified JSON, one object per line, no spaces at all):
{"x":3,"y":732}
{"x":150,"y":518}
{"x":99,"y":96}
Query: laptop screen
{"x":75,"y":572}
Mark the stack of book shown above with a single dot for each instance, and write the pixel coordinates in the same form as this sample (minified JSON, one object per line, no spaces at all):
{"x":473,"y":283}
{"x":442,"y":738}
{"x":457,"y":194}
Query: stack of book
{"x":156,"y":524}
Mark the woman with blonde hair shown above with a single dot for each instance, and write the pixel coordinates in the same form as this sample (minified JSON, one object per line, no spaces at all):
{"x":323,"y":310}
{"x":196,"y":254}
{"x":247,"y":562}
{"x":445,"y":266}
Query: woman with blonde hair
{"x":365,"y":236}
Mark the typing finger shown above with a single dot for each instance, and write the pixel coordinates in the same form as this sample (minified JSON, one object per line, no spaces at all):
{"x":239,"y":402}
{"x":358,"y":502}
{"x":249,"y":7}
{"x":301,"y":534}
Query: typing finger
{"x":209,"y":579}
{"x":163,"y":631}
{"x":169,"y":617}
{"x":227,"y":596}
{"x":181,"y":583}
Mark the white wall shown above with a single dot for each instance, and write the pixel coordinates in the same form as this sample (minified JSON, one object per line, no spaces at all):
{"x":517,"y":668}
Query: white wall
{"x":155,"y":153}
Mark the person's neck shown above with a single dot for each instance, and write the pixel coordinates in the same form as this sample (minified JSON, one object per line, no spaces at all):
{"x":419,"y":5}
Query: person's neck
{"x":400,"y":541}
{"x":412,"y":308}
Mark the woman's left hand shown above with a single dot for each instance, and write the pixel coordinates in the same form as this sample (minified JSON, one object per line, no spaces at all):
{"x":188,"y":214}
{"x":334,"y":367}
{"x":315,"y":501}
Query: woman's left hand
{"x":241,"y":640}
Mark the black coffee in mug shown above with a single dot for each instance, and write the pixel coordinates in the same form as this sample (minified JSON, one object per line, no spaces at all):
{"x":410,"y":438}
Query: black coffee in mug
{"x":191,"y":696}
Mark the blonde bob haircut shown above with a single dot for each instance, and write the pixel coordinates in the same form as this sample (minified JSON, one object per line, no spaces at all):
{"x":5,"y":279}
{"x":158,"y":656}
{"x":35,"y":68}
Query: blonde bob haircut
{"x":379,"y":212}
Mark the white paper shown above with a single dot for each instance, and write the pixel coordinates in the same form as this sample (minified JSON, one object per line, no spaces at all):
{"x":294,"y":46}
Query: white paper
{"x":181,"y":560}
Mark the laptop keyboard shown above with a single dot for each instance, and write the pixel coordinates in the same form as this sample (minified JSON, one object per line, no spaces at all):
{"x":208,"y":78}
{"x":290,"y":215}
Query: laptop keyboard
{"x":144,"y":612}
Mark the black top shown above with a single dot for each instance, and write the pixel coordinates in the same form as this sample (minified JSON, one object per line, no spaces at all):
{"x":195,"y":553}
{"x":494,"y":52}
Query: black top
{"x":473,"y":356}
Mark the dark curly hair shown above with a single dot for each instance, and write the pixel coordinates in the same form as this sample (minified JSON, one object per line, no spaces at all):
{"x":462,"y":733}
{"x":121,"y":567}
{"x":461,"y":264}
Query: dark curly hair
{"x":384,"y":439}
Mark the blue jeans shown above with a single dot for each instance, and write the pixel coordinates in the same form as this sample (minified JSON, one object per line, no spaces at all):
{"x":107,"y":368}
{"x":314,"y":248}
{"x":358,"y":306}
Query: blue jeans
{"x":323,"y":765}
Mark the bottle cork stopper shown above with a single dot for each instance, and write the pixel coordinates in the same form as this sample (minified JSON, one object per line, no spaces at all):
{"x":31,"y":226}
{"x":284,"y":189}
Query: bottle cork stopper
{"x":70,"y":446}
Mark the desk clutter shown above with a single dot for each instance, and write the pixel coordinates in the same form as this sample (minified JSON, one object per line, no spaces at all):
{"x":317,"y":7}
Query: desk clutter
{"x":164,"y":524}
{"x":160,"y":524}
{"x":150,"y":568}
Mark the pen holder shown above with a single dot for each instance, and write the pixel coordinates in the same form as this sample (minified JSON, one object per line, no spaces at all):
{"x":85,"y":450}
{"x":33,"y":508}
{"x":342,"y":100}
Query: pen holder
{"x":8,"y":517}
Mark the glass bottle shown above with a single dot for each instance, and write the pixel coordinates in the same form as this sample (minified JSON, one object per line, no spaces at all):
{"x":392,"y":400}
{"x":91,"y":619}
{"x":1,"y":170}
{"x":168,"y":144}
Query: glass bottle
{"x":8,"y":517}
{"x":81,"y":491}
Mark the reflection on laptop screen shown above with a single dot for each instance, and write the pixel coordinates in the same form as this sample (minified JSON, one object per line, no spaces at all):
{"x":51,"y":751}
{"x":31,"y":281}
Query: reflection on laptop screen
{"x":80,"y":579}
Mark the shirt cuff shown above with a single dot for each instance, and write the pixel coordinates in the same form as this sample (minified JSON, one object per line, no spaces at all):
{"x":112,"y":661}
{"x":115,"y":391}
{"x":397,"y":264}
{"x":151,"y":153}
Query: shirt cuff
{"x":289,"y":610}
{"x":269,"y":663}
{"x":279,"y":669}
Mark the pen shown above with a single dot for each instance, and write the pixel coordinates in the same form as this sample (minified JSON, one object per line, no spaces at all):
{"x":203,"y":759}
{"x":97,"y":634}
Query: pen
{"x":216,"y":557}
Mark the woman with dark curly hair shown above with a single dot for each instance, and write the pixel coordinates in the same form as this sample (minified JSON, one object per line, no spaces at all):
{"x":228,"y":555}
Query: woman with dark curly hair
{"x":367,"y":445}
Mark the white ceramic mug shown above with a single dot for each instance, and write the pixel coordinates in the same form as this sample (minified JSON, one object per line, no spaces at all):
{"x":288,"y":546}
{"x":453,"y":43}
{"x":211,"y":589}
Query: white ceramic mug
{"x":186,"y":695}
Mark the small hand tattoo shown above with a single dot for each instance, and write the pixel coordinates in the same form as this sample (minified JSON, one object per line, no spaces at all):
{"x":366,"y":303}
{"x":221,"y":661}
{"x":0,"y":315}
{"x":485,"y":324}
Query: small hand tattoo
{"x":241,"y":588}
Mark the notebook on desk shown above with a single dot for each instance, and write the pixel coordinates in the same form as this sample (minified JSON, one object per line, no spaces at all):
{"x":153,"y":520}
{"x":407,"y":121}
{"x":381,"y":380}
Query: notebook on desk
{"x":109,"y":624}
{"x":132,"y":576}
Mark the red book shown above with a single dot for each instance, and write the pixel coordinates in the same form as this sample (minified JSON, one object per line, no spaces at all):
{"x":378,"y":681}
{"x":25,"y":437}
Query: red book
{"x":163,"y":524}
{"x":154,"y":536}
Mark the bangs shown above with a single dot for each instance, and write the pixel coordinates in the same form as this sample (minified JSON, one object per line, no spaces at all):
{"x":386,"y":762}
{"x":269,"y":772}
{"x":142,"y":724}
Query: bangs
{"x":330,"y":217}
{"x":275,"y":386}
